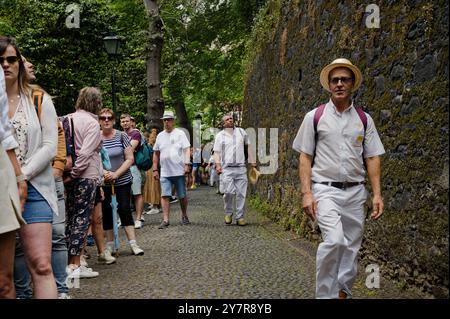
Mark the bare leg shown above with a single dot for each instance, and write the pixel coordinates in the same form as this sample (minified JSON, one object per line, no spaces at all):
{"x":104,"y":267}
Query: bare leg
{"x":37,"y":246}
{"x":7,"y":247}
{"x":166,"y":208}
{"x":139,"y":205}
{"x":129,"y":231}
{"x":97,"y":228}
{"x":183,"y":205}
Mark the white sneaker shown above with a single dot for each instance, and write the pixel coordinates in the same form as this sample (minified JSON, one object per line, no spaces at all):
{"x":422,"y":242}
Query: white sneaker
{"x":137,"y":224}
{"x":136,"y":249}
{"x":106,"y":258}
{"x":63,"y":295}
{"x":83,"y":261}
{"x":142,"y":219}
{"x":82,"y":272}
{"x":154,"y":211}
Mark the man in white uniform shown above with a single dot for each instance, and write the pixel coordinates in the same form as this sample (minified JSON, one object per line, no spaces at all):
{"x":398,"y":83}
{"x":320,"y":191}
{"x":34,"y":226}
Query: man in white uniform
{"x":337,"y":142}
{"x":230,"y":164}
{"x":172,"y":152}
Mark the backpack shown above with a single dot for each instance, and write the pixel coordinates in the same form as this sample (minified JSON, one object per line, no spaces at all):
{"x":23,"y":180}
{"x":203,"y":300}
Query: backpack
{"x":69,"y":134}
{"x":143,"y":157}
{"x":318,"y":114}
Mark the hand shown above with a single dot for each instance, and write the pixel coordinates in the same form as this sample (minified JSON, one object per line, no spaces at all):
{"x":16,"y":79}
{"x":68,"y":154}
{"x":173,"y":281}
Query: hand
{"x":67,"y":179}
{"x":309,"y":205}
{"x":156,"y":175}
{"x":23,"y":193}
{"x":102,"y":194}
{"x":219,"y":169}
{"x":110,"y":176}
{"x":187,"y":169}
{"x":378,"y":207}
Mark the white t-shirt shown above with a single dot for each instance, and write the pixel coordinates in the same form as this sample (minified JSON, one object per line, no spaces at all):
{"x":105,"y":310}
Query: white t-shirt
{"x":171,"y":147}
{"x":231,"y":147}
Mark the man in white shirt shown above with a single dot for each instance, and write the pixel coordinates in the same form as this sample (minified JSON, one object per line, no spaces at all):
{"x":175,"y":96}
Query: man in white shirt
{"x":334,"y":141}
{"x":229,"y":156}
{"x":172,"y":153}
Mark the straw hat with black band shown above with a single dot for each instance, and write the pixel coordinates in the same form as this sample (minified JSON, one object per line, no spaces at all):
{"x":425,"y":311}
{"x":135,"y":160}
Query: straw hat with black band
{"x":338,"y":63}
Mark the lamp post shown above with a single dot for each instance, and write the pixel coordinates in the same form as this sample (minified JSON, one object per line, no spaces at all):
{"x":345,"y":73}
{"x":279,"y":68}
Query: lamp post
{"x":112,"y":44}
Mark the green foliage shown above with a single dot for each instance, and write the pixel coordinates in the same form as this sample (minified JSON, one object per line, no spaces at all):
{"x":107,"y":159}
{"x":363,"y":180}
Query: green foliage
{"x":65,"y":59}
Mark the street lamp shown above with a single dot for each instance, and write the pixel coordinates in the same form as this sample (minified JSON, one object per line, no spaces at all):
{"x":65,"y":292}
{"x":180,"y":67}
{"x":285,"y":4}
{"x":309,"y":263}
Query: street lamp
{"x":112,"y":44}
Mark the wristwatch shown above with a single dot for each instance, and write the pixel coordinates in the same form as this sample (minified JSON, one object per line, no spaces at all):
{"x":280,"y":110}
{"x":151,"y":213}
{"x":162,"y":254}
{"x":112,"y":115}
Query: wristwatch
{"x":21,"y":178}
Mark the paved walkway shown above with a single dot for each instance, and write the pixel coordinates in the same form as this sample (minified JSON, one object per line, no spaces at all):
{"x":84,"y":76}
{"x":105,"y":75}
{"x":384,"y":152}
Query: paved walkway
{"x":209,"y":260}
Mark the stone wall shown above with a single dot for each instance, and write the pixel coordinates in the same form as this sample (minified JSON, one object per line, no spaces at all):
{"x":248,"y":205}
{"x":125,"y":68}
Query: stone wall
{"x":405,"y":89}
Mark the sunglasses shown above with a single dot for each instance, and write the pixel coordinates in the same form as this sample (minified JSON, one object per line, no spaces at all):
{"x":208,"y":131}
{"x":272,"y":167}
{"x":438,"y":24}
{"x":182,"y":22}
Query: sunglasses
{"x":105,"y":118}
{"x":344,"y":80}
{"x":10,"y":59}
{"x":167,"y":120}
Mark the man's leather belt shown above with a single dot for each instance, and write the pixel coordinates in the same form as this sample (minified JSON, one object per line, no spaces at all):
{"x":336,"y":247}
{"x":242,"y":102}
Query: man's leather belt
{"x":341,"y":185}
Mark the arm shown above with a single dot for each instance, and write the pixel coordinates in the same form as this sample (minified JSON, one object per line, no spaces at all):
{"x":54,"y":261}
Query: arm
{"x":90,"y":146}
{"x":156,"y":155}
{"x":21,"y":185}
{"x":308,"y":204}
{"x":187,"y":159}
{"x":217,"y":162}
{"x":374,"y":172}
{"x":60,"y":159}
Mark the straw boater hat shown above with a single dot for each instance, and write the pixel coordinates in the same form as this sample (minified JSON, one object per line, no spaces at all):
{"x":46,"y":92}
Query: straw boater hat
{"x":253,"y":175}
{"x":168,"y":115}
{"x":341,"y":62}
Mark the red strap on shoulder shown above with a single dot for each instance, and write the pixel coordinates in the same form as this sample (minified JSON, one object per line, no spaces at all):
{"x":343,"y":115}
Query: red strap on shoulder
{"x":317,"y":115}
{"x":362,"y":116}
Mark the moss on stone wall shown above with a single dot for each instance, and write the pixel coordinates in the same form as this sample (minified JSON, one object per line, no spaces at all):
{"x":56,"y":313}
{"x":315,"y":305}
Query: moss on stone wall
{"x":405,"y":89}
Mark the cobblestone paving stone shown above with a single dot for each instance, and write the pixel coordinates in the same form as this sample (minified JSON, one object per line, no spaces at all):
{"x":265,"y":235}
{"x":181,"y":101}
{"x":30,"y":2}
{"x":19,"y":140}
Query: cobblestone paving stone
{"x":210,"y":260}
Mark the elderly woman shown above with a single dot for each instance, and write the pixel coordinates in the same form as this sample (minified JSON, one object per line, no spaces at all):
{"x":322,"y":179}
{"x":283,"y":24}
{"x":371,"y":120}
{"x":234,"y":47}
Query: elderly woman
{"x":37,"y":136}
{"x":84,"y":179}
{"x":120,"y":153}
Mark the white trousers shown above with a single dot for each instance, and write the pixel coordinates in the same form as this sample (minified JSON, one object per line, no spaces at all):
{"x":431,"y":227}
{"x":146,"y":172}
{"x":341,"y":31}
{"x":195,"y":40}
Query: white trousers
{"x":233,"y":180}
{"x":340,"y":216}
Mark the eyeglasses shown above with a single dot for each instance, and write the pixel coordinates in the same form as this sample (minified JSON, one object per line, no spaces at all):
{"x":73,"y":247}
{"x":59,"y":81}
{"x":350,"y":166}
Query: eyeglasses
{"x":343,"y":79}
{"x":167,"y":120}
{"x":10,"y":59}
{"x":105,"y":118}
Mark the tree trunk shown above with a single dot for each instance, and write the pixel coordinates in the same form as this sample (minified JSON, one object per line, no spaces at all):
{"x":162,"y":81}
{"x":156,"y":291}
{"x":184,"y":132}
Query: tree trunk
{"x":180,"y":108}
{"x":155,"y":102}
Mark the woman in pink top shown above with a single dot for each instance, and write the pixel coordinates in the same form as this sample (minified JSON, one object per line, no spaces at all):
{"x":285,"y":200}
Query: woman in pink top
{"x":84,"y":178}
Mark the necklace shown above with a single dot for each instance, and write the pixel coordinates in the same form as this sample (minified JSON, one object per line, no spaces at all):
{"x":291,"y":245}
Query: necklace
{"x":13,"y":100}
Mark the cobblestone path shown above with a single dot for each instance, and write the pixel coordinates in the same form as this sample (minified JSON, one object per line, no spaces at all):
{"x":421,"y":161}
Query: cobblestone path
{"x":210,"y":260}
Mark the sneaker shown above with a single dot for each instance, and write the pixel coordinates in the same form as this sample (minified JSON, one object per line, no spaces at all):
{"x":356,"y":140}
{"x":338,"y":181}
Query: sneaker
{"x":163,"y":225}
{"x":106,"y":258}
{"x":137,"y":224}
{"x":173,"y":199}
{"x":142,"y":219}
{"x":241,"y":222}
{"x":81,"y":272}
{"x":63,"y":295}
{"x":194,"y":186}
{"x":154,"y":211}
{"x":137,"y":251}
{"x":90,"y":240}
{"x":228,"y":219}
{"x":83,"y":261}
{"x":185,"y":220}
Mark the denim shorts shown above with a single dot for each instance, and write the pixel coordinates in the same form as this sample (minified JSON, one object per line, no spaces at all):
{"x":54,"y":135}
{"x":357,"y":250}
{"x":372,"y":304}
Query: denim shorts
{"x":37,"y":210}
{"x":178,"y":181}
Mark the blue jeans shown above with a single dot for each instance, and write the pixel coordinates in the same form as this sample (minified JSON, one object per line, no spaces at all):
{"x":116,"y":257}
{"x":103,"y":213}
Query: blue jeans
{"x":178,"y":181}
{"x":59,"y":253}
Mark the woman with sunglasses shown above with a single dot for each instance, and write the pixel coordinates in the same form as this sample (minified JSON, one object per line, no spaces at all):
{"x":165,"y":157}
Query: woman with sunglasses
{"x":121,"y":155}
{"x":37,"y":136}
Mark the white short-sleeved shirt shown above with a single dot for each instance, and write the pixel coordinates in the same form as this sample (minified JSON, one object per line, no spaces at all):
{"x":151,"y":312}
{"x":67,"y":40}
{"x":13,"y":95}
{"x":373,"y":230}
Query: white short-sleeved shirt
{"x":339,"y":151}
{"x":231,"y":147}
{"x":171,"y":147}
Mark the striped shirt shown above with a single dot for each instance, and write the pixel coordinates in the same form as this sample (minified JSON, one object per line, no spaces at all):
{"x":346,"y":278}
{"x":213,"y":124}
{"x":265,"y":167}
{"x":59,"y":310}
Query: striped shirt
{"x":115,"y":147}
